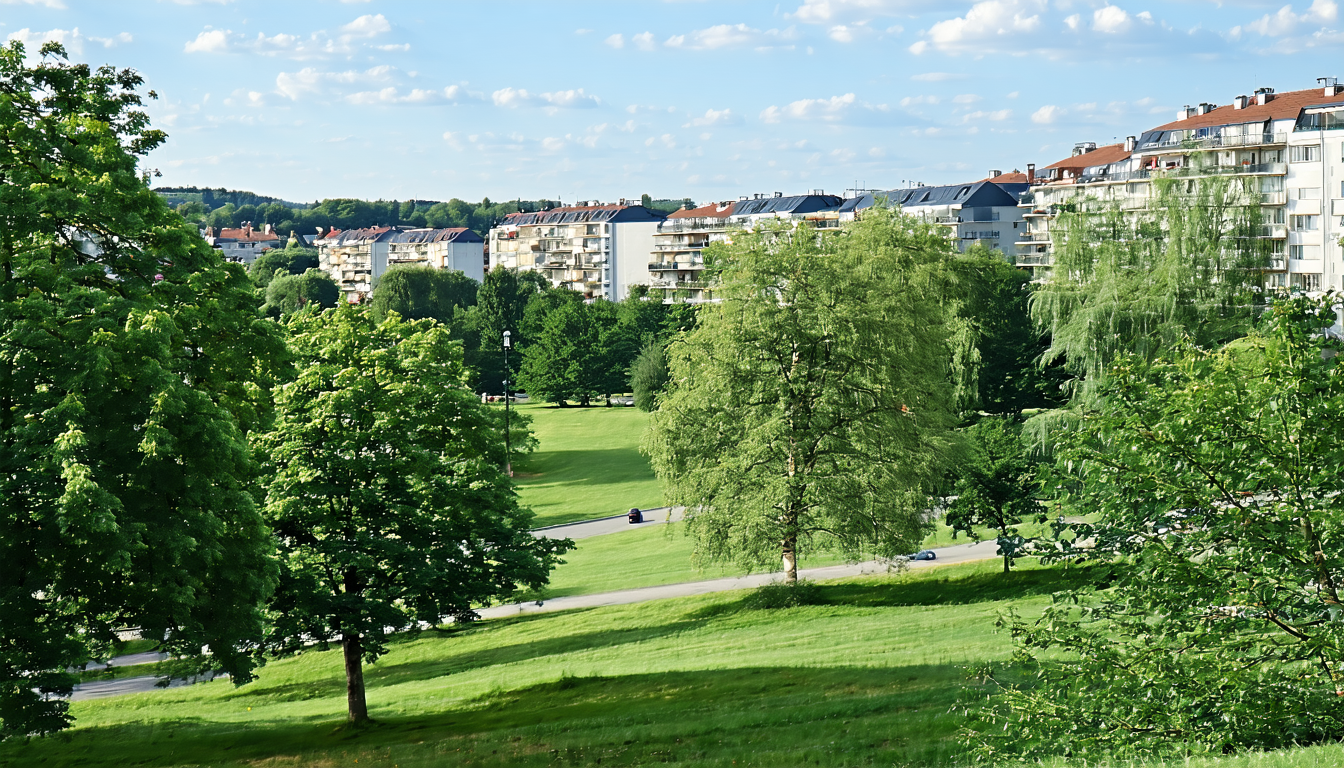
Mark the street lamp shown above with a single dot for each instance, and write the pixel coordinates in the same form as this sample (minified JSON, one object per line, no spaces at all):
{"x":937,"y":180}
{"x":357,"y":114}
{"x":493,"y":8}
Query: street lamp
{"x":508,"y":453}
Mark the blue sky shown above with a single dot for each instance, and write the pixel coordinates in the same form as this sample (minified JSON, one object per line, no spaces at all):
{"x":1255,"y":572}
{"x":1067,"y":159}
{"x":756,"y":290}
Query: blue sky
{"x":709,"y":100}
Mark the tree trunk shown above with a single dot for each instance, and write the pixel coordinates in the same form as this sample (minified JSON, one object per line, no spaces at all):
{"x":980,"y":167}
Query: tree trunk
{"x":790,"y":559}
{"x":354,"y":679}
{"x":1007,"y":563}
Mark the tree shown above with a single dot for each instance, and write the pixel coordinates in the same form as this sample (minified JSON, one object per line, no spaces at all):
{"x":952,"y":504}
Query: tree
{"x":132,"y":367}
{"x":289,"y":293}
{"x":996,"y":487}
{"x":649,"y":376}
{"x":422,"y":292}
{"x":290,"y":260}
{"x":812,"y":408}
{"x":1216,"y":477}
{"x":386,"y":492}
{"x":564,"y":362}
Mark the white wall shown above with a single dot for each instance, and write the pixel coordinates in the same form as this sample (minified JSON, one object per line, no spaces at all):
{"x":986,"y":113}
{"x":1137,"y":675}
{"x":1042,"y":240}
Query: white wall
{"x":631,"y":252}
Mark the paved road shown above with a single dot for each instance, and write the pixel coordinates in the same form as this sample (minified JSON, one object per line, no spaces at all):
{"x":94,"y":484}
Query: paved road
{"x":962,"y":553}
{"x":605,"y":525}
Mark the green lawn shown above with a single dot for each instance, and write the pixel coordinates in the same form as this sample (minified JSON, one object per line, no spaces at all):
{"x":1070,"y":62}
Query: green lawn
{"x":869,"y":676}
{"x":588,"y":464}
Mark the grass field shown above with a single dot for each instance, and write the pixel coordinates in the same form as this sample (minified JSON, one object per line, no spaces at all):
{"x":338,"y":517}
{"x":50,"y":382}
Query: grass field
{"x":588,"y":464}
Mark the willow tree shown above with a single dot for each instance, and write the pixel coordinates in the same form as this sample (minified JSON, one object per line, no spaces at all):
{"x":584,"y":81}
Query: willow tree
{"x":811,"y":409}
{"x":132,"y":365}
{"x":1190,"y":264}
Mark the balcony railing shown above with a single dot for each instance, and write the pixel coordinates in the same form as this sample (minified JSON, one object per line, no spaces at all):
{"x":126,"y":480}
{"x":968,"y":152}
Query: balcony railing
{"x":1034,"y":237}
{"x":1034,"y":260}
{"x":674,"y":266}
{"x":693,"y":225}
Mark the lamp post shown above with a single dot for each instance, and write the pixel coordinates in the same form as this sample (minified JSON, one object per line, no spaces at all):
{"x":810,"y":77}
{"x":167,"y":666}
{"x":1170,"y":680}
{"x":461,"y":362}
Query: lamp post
{"x":508,"y":453}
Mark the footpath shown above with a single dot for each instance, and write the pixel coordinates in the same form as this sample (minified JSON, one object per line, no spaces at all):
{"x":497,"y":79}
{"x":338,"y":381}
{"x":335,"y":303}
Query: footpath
{"x":961,"y":553}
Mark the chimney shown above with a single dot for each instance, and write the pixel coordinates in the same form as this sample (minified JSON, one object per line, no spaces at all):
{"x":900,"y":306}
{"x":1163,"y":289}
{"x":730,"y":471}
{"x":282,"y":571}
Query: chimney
{"x":1130,"y":143}
{"x":1331,"y":86}
{"x":1205,"y":108}
{"x":818,"y":192}
{"x":995,"y":174}
{"x":1264,"y":95}
{"x":743,"y":198}
{"x":1031,"y":173}
{"x":1240,"y":102}
{"x":1083,"y":147}
{"x":779,"y":194}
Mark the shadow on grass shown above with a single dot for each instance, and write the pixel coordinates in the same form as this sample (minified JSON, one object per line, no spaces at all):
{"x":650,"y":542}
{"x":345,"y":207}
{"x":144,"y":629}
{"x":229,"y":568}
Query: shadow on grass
{"x":768,"y":715}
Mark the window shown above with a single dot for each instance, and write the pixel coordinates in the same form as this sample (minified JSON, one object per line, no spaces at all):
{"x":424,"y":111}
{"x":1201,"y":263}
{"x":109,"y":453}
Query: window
{"x":1309,"y":252}
{"x":1305,"y":153}
{"x":1307,"y":193}
{"x":1305,"y":223}
{"x":1279,"y":280}
{"x":1271,"y":183}
{"x":1307,"y":282}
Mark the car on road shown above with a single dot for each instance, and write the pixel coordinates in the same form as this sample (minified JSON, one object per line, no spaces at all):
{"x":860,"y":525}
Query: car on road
{"x":924,"y":554}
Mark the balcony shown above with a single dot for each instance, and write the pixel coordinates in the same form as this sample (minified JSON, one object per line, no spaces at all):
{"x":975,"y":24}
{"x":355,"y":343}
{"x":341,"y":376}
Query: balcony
{"x":675,"y":266}
{"x":1273,"y":198}
{"x":1247,"y":140}
{"x":1034,"y":260}
{"x":694,"y":225}
{"x":1034,"y":237}
{"x":662,"y":247}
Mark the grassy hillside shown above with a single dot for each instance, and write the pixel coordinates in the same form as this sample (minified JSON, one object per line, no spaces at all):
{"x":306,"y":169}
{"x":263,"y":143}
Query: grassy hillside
{"x":588,"y":464}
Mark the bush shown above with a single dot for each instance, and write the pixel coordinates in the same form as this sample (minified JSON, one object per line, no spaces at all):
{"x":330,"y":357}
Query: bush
{"x":782,"y":594}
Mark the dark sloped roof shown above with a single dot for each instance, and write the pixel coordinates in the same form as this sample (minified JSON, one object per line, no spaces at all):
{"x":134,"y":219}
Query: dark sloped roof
{"x":976,"y":194}
{"x":793,"y":204}
{"x":575,"y":214}
{"x":447,"y":235}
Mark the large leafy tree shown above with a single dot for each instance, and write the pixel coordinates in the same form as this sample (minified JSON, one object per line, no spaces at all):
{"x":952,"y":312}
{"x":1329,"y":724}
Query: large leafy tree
{"x":1216,"y":477}
{"x":812,"y":408}
{"x":289,"y":293}
{"x":996,"y":487}
{"x":568,"y":360}
{"x":422,"y":292}
{"x":132,"y":364}
{"x":291,"y":260}
{"x":385,"y":490}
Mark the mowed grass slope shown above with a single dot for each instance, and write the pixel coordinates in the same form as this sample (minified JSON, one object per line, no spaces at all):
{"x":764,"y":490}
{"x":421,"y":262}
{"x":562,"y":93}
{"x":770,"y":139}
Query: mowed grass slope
{"x":871,"y":676}
{"x":588,"y":464}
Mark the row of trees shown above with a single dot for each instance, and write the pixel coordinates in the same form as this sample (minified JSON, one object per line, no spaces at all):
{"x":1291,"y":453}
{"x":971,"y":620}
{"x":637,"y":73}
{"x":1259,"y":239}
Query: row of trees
{"x":173,"y":460}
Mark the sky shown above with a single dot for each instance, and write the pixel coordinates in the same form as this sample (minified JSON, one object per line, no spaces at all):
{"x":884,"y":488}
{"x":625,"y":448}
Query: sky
{"x":708,"y":99}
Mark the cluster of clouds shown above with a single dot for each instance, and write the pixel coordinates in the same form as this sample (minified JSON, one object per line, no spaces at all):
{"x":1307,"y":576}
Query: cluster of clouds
{"x":358,"y":34}
{"x":73,"y":40}
{"x":719,"y":36}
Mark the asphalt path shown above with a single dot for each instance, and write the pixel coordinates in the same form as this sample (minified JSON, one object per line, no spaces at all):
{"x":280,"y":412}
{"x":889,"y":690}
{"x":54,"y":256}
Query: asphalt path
{"x":961,"y":553}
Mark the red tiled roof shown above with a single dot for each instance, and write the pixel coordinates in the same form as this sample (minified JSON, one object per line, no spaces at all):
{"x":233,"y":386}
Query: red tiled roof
{"x":1282,"y":107}
{"x":246,"y":235}
{"x":1100,"y":156}
{"x":713,"y":210}
{"x":1007,"y":178}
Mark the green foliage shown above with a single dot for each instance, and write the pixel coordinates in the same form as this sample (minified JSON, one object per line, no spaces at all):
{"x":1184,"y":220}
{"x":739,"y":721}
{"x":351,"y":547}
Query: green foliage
{"x":291,"y":261}
{"x":1005,"y":371}
{"x":996,"y":487}
{"x":783,"y":594}
{"x":569,"y":359}
{"x":385,"y":490}
{"x":649,"y":376}
{"x":1216,"y":476}
{"x":132,"y":365}
{"x":287,"y":294}
{"x":420,"y":292}
{"x":812,"y":409}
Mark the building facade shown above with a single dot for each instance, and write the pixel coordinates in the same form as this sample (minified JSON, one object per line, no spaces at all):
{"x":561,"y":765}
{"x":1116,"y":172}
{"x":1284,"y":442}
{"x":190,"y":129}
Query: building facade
{"x":1286,"y":150}
{"x":676,"y":268}
{"x":981,"y":212}
{"x":600,"y":250}
{"x":244,"y":244}
{"x":356,"y":258}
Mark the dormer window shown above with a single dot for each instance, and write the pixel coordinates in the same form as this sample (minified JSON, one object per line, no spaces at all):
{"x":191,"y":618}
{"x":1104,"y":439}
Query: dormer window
{"x":964,"y":191}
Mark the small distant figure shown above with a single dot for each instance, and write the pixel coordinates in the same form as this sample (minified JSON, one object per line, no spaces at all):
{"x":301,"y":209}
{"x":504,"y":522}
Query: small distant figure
{"x":635,"y":516}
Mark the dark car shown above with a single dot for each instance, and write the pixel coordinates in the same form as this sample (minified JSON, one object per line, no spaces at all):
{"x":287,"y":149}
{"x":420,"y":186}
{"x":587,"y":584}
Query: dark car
{"x":924,"y":554}
{"x":635,"y":516}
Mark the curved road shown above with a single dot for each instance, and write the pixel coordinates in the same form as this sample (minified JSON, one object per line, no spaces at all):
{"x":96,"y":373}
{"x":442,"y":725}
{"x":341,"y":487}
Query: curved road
{"x":961,"y":553}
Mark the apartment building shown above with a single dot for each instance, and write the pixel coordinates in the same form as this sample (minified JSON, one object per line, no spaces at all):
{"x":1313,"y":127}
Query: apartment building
{"x":355,"y":258}
{"x":242,"y":244}
{"x":598,"y":249}
{"x":817,"y":207}
{"x":984,"y":212}
{"x":1288,"y":149}
{"x":678,"y":263}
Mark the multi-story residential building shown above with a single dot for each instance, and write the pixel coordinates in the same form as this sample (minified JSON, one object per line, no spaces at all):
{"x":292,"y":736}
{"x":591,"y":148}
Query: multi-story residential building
{"x":817,"y":207}
{"x":1287,"y":149}
{"x":984,"y":211}
{"x":243,"y":244}
{"x":599,"y":250}
{"x":676,"y":270}
{"x":355,"y":258}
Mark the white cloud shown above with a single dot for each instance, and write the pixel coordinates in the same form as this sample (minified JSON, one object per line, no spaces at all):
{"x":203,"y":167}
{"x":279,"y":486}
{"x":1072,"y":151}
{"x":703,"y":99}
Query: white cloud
{"x":520,"y":97}
{"x":828,"y":110}
{"x":644,"y":41}
{"x":730,"y":36}
{"x":209,"y":41}
{"x":72,"y":39}
{"x":1285,"y":21}
{"x":832,"y":11}
{"x":1111,"y":20}
{"x":1047,"y":114}
{"x":390,"y":95}
{"x":965,"y":98}
{"x":55,"y":4}
{"x":310,"y":80}
{"x":712,"y":117}
{"x":616,"y":41}
{"x":996,"y":116}
{"x":552,"y":144}
{"x":990,"y":20}
{"x":368,"y":25}
{"x":914,"y":101}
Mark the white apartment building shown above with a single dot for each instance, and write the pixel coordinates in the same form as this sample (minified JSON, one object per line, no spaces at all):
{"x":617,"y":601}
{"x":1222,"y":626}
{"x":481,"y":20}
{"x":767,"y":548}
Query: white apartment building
{"x":984,"y":212}
{"x":355,"y":258}
{"x":597,"y":249}
{"x":1289,"y":147}
{"x":678,"y":263}
{"x":243,"y":244}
